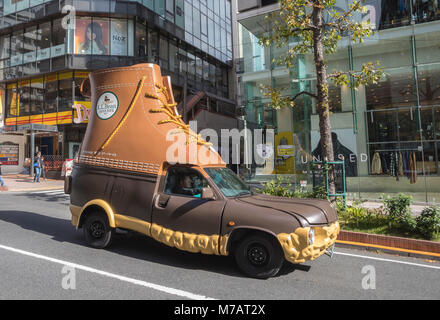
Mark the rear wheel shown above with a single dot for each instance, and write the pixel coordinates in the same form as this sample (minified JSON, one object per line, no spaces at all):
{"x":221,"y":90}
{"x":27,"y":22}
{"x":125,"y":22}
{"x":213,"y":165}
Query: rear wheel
{"x":97,"y":231}
{"x":259,"y":256}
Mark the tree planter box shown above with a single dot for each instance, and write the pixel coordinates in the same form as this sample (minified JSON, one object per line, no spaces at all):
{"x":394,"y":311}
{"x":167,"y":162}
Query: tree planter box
{"x":421,"y":246}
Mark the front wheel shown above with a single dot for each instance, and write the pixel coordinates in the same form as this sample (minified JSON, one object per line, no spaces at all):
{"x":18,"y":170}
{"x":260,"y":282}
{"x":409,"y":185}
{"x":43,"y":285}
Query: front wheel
{"x":97,"y":231}
{"x":259,"y":256}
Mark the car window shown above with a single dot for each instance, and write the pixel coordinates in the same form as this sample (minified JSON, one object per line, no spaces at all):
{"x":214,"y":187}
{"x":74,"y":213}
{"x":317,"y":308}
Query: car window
{"x":185,"y":181}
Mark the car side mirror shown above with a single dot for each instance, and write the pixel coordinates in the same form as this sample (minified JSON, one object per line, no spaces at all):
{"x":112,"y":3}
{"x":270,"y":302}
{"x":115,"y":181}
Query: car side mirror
{"x":208,"y":194}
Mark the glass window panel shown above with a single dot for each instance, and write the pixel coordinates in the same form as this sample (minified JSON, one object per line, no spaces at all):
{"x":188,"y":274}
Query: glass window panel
{"x":59,"y":39}
{"x":50,"y":93}
{"x":429,"y":84}
{"x":391,"y":52}
{"x":382,"y":127}
{"x":179,"y":16}
{"x":17,"y":48}
{"x":11,"y":100}
{"x":395,"y":90}
{"x":37,"y":96}
{"x":24,"y":93}
{"x":5,"y":50}
{"x":43,"y":41}
{"x":141,"y":40}
{"x":191,"y":66}
{"x":119,"y":37}
{"x":153,"y":46}
{"x":29,"y":48}
{"x":196,"y":23}
{"x":427,"y":46}
{"x":174,"y":61}
{"x":408,"y":124}
{"x":65,"y":94}
{"x":427,"y":123}
{"x":163,"y":52}
{"x":188,"y":17}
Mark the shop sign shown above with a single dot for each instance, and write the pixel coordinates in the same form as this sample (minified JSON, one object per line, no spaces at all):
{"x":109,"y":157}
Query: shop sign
{"x":9,"y":152}
{"x":82,"y":111}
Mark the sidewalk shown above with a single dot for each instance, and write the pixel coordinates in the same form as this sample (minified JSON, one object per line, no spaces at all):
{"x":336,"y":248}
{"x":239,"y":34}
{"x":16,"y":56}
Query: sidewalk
{"x":23,"y":183}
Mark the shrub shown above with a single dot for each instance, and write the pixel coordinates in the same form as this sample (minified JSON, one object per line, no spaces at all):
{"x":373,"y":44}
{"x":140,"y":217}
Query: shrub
{"x":428,"y":223}
{"x":359,"y":217}
{"x":278,"y":187}
{"x":399,"y":212}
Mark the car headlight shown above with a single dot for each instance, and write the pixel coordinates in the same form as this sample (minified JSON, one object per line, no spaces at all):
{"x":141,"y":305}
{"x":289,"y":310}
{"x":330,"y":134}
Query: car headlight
{"x":311,"y":236}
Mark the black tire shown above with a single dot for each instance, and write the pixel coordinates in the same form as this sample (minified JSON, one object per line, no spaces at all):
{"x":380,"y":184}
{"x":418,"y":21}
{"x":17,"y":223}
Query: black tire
{"x":97,"y":231}
{"x":259,"y":256}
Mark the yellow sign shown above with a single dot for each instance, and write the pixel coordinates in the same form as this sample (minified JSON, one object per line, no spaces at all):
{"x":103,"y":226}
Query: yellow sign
{"x":285,"y":152}
{"x":14,"y":107}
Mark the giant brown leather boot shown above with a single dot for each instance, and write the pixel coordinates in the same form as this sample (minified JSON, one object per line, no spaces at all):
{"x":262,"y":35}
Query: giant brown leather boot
{"x":133,"y":111}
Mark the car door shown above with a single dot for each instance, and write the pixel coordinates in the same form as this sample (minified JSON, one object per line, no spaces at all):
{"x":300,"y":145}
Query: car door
{"x":187,"y":213}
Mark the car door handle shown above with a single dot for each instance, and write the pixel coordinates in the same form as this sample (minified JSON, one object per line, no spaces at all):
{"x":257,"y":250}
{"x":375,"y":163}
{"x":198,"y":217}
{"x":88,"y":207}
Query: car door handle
{"x":163,"y":200}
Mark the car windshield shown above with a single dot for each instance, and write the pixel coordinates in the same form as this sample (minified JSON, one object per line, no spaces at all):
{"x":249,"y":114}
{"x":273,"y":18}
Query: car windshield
{"x":228,"y":182}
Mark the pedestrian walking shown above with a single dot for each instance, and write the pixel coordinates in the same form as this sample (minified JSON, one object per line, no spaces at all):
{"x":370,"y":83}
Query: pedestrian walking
{"x":43,"y":168}
{"x":2,"y":183}
{"x":37,"y":167}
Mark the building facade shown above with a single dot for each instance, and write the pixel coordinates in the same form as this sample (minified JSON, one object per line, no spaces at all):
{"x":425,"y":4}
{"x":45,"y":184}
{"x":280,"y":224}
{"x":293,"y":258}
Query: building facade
{"x":47,"y":48}
{"x":388,"y":133}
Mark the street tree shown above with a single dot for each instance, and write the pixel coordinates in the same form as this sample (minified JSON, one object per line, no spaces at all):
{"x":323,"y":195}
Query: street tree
{"x":315,"y":27}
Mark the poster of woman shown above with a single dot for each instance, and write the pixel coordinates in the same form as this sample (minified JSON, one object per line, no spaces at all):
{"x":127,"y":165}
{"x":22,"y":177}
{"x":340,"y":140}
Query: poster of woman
{"x":92,"y":37}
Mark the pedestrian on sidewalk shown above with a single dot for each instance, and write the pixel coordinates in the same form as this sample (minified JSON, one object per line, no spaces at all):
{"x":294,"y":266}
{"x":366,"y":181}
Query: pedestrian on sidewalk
{"x":43,"y":168}
{"x":37,"y":167}
{"x":2,"y":183}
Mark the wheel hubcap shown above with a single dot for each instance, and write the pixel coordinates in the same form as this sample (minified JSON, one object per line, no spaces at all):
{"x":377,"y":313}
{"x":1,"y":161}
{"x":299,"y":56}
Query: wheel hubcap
{"x":257,"y":255}
{"x":97,"y":230}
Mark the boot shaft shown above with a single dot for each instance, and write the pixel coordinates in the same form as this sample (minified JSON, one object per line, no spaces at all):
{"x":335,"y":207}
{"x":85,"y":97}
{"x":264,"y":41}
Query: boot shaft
{"x":134,"y":124}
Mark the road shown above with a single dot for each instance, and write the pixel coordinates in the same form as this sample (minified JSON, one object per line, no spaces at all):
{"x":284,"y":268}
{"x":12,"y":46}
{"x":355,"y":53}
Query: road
{"x":43,"y":257}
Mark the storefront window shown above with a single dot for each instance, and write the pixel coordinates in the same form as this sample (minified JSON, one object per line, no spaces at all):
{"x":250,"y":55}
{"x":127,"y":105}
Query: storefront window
{"x":37,"y":96}
{"x":25,"y":98}
{"x":12,"y":100}
{"x":408,"y":124}
{"x":65,"y":91}
{"x":50,"y":93}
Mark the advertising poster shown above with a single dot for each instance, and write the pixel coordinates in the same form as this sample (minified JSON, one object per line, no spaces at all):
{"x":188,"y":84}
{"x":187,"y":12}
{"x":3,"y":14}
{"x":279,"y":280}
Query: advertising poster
{"x":344,"y":145}
{"x":9,"y":153}
{"x":285,"y":152}
{"x":92,"y":37}
{"x":119,"y":38}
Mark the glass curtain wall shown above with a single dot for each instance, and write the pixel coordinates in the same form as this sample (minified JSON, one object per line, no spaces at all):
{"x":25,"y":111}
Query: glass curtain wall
{"x":387,"y":133}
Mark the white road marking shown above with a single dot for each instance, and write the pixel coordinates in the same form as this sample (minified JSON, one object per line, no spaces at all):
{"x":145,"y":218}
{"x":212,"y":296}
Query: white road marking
{"x":387,"y":260}
{"x":157,"y":287}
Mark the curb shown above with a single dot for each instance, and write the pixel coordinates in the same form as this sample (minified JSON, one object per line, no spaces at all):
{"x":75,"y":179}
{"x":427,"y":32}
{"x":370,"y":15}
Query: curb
{"x":30,"y":190}
{"x":388,"y":244}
